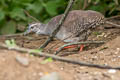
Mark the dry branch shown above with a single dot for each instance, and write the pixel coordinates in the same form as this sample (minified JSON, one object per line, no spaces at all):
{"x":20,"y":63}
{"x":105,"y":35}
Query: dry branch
{"x":58,"y":58}
{"x":113,"y":24}
{"x":12,"y":35}
{"x":85,"y":4}
{"x":59,"y":24}
{"x":113,"y":17}
{"x":27,"y":13}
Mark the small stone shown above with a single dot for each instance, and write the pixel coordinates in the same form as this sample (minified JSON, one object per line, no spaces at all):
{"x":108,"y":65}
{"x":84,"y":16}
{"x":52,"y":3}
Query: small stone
{"x":62,"y":68}
{"x":82,"y":67}
{"x":51,"y":76}
{"x":101,"y":52}
{"x":116,"y":52}
{"x":40,"y":74}
{"x":112,"y":71}
{"x":118,"y":49}
{"x":22,"y":60}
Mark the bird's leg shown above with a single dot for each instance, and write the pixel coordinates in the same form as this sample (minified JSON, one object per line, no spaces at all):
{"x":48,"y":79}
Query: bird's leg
{"x":81,"y":47}
{"x":67,"y":47}
{"x":75,"y":39}
{"x":74,"y":46}
{"x":85,"y":38}
{"x":71,"y":46}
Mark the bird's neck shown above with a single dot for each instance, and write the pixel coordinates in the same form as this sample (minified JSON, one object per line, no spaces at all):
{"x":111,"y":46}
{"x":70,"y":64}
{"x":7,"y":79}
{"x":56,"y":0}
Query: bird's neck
{"x":42,"y":29}
{"x":47,"y":29}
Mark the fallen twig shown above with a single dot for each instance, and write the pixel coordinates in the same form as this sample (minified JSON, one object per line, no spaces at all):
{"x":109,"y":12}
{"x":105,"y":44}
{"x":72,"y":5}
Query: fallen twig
{"x":109,"y":18}
{"x":58,"y":58}
{"x":11,"y":35}
{"x":59,"y":24}
{"x":77,"y":43}
{"x":113,"y":24}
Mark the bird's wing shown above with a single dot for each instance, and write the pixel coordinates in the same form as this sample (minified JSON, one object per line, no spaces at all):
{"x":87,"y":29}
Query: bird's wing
{"x":78,"y":21}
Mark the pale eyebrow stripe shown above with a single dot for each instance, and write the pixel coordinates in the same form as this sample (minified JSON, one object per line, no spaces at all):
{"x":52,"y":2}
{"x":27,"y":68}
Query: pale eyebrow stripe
{"x":34,"y":24}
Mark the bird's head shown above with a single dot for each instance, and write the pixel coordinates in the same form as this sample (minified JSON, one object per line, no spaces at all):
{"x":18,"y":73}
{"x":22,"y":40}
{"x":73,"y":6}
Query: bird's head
{"x":37,"y":28}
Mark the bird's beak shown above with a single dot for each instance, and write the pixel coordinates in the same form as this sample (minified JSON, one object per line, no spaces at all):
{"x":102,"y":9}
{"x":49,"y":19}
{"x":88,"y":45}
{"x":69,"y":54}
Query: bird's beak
{"x":27,"y":32}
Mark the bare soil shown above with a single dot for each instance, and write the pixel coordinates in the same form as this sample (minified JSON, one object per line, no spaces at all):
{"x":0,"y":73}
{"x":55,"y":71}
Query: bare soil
{"x":104,"y":54}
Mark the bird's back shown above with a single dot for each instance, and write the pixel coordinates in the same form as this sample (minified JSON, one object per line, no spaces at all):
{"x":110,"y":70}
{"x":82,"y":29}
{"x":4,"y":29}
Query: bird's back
{"x":76,"y":23}
{"x":78,"y":20}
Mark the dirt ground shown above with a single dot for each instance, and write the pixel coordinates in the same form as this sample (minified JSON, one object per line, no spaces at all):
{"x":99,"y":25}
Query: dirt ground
{"x":104,"y":54}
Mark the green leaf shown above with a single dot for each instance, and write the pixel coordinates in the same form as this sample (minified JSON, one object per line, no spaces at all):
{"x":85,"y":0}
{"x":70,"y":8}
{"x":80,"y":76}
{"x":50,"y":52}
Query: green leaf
{"x":8,"y":28}
{"x":35,"y":7}
{"x":47,"y":60}
{"x":105,"y":47}
{"x":111,"y":5}
{"x":22,"y":2}
{"x":7,"y":42}
{"x":35,"y":51}
{"x":17,"y":13}
{"x":96,"y":33}
{"x":13,"y":42}
{"x":51,"y":8}
{"x":2,"y":15}
{"x":10,"y":43}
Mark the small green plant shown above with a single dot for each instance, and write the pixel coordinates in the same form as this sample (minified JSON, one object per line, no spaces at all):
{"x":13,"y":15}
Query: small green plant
{"x":40,"y":50}
{"x":36,"y":50}
{"x":47,"y":60}
{"x":105,"y":47}
{"x":96,"y":33}
{"x":10,"y":43}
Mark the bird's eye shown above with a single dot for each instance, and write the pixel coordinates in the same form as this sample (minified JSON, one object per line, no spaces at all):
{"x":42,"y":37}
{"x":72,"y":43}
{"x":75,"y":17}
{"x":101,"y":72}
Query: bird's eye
{"x":32,"y":27}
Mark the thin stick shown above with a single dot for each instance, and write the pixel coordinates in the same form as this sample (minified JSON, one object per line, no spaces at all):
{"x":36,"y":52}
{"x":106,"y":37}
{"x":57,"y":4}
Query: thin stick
{"x":59,"y":24}
{"x":27,"y":13}
{"x":12,"y":35}
{"x":78,"y":62}
{"x":112,"y":17}
{"x":113,"y":24}
{"x":78,"y":43}
{"x":85,"y":4}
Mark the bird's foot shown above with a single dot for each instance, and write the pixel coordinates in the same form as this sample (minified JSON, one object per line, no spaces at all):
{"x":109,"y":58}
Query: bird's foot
{"x":81,"y":48}
{"x":71,"y":46}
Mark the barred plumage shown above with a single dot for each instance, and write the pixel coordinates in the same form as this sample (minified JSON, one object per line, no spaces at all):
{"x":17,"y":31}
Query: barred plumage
{"x":76,"y":27}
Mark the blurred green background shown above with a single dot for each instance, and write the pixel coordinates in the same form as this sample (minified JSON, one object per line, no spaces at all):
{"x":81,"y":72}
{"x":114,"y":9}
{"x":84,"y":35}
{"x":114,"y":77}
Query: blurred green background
{"x":13,"y":18}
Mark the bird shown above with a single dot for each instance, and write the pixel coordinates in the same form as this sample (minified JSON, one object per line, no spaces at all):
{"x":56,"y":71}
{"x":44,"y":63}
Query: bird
{"x":77,"y":26}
